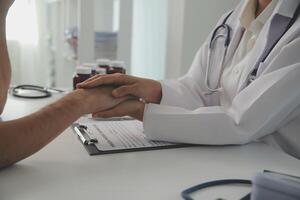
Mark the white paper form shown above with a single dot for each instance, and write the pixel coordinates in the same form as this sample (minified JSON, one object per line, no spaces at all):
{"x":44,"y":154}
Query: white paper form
{"x":118,"y":135}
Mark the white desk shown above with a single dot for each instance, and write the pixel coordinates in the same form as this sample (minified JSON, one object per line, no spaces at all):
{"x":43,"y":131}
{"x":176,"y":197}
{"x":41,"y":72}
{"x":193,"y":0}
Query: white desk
{"x":64,"y":170}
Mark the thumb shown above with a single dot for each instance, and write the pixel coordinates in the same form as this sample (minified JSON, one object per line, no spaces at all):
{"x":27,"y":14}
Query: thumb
{"x":122,"y":99}
{"x":114,"y":112}
{"x":125,"y":91}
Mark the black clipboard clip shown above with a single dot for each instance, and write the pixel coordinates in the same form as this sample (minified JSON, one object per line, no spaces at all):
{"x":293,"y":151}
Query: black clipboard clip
{"x":82,"y":132}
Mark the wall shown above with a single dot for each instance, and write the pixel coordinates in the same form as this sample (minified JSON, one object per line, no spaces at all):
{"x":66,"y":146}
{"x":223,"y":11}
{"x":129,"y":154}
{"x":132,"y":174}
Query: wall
{"x":86,"y":23}
{"x":176,"y":20}
{"x":149,"y":36}
{"x":195,"y":19}
{"x":104,"y":11}
{"x":125,"y":32}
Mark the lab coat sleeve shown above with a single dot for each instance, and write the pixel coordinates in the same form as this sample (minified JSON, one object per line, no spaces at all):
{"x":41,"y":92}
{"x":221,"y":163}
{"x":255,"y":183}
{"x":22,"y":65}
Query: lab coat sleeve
{"x":186,"y":92}
{"x":257,"y":111}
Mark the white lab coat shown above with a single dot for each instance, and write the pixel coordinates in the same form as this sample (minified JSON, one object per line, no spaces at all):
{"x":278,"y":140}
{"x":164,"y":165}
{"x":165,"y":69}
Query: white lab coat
{"x":267,"y":109}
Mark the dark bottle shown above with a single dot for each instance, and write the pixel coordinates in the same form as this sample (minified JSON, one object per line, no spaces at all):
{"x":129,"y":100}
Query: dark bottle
{"x":82,"y":74}
{"x":104,"y":64}
{"x":117,"y":67}
{"x":101,"y":71}
{"x":93,"y":67}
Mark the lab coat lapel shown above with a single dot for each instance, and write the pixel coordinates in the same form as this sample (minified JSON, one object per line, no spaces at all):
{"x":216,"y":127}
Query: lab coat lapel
{"x":236,"y":38}
{"x":284,"y":17}
{"x":257,"y":51}
{"x":278,"y":27}
{"x":270,"y":35}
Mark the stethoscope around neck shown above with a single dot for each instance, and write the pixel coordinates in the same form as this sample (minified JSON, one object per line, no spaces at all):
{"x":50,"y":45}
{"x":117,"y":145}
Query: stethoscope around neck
{"x":224,"y":31}
{"x":226,"y":36}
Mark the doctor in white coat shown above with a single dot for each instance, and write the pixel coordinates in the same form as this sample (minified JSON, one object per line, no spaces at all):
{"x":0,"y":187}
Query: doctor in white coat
{"x":243,"y":86}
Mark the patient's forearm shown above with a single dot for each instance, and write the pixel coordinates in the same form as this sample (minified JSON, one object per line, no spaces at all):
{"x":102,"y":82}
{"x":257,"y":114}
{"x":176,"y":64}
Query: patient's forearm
{"x":27,"y":135}
{"x":5,"y":68}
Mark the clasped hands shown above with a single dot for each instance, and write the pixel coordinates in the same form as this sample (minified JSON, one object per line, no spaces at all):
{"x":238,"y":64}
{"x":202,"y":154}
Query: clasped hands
{"x":130,"y":93}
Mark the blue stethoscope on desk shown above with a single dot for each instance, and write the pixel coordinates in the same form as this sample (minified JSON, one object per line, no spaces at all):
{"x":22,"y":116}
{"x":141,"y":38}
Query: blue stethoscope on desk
{"x":33,"y":92}
{"x":223,"y":31}
{"x":186,"y":194}
{"x":278,"y":179}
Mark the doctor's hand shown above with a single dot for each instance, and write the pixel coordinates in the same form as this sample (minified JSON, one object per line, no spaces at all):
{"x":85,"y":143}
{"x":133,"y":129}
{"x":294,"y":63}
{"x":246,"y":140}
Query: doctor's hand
{"x":95,"y":100}
{"x":148,"y":90}
{"x":132,"y":108}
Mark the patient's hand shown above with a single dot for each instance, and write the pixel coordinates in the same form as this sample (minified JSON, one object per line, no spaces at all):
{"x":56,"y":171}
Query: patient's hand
{"x":96,"y":99}
{"x":133,"y":108}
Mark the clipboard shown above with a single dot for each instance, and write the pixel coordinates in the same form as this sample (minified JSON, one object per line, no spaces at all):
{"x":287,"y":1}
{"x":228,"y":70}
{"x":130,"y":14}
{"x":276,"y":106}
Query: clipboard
{"x":90,"y":142}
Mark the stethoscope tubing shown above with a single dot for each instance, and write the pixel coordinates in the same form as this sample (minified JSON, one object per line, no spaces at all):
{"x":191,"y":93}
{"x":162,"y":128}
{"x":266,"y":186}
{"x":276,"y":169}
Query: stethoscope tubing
{"x":212,"y":43}
{"x":186,"y":194}
{"x":227,"y":40}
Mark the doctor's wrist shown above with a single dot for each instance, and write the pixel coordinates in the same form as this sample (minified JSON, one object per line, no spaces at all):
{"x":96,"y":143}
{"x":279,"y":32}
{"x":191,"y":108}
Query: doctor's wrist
{"x":139,"y":112}
{"x":156,"y":93}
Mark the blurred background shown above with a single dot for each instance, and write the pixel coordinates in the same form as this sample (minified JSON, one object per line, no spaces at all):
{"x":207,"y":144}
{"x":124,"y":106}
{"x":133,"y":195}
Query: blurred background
{"x":157,"y":39}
